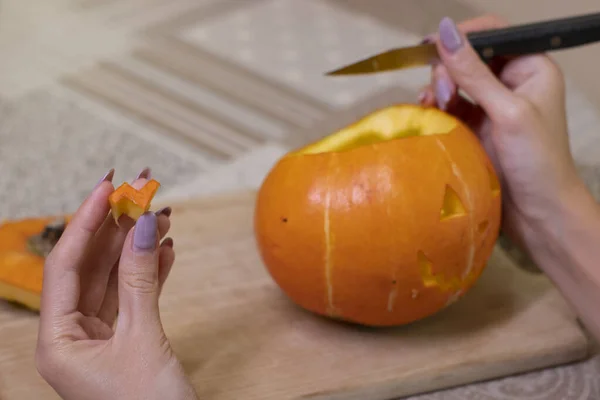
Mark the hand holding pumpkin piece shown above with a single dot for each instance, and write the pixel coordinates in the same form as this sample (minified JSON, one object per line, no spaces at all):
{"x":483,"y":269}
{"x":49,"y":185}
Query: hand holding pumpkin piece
{"x":517,"y":108}
{"x":96,"y":269}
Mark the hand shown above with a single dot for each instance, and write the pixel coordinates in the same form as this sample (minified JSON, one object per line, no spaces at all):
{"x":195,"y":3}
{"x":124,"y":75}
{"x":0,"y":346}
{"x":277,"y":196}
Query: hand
{"x":519,"y":113}
{"x":96,"y":269}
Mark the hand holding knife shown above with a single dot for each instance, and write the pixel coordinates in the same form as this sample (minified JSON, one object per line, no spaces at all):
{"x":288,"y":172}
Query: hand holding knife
{"x":511,"y":41}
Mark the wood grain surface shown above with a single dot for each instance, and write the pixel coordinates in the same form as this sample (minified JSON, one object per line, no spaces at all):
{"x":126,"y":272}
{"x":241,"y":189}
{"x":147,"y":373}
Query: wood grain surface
{"x":240,"y":338}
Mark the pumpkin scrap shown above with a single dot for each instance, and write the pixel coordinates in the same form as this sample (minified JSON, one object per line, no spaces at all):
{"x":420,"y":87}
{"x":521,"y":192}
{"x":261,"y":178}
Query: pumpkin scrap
{"x":132,"y":202}
{"x":24,"y":245}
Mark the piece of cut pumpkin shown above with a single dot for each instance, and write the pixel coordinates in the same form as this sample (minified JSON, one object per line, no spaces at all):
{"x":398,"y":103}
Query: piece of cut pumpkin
{"x":127,"y":200}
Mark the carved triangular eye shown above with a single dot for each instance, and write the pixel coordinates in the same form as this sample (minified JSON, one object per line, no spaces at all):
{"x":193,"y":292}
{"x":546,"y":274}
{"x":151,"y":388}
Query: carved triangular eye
{"x":435,"y":280}
{"x":494,"y":183}
{"x":452,"y":206}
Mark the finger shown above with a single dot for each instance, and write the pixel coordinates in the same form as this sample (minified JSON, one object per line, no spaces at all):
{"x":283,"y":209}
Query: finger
{"x":110,"y":302}
{"x":166,"y":260}
{"x":482,"y":23}
{"x":541,"y":67}
{"x":444,"y":87}
{"x":106,"y":250}
{"x":110,"y":306}
{"x":426,"y":98}
{"x":439,"y":95}
{"x":138,"y":276}
{"x":446,"y":92}
{"x":108,"y":244}
{"x":469,"y":72}
{"x":61,"y":283}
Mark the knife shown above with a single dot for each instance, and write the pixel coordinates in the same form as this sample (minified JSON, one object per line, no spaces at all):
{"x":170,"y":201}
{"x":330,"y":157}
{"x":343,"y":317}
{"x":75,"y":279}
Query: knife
{"x":516,"y":40}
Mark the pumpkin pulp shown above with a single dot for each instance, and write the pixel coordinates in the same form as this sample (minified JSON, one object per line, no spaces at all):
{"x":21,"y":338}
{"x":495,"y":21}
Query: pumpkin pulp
{"x":384,"y":125}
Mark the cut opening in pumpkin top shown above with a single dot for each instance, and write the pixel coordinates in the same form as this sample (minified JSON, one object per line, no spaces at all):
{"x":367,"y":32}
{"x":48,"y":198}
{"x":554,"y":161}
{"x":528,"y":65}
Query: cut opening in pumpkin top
{"x":383,"y":125}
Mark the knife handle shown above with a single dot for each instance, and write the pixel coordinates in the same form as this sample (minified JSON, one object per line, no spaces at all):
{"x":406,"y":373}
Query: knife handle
{"x":537,"y":37}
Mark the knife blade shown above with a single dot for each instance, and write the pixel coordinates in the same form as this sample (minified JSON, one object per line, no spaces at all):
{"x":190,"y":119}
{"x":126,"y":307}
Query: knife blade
{"x":515,"y":40}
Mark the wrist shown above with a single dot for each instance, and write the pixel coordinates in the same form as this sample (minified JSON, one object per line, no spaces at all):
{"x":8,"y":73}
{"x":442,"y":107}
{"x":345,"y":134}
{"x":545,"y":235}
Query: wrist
{"x":568,"y":253}
{"x":173,"y":383}
{"x":575,"y":214}
{"x":175,"y":389}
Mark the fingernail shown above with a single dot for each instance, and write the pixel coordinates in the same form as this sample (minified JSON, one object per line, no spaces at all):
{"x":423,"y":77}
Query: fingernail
{"x":144,"y":236}
{"x":427,"y":39}
{"x":443,"y":92}
{"x":449,"y":35}
{"x":168,"y":242}
{"x":146,"y":173}
{"x":108,"y":177}
{"x":164,"y":211}
{"x":421,"y":97}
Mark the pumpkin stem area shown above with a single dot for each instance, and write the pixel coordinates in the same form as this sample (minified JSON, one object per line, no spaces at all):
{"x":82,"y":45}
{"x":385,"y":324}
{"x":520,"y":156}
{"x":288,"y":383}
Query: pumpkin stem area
{"x":390,"y":123}
{"x":43,"y":243}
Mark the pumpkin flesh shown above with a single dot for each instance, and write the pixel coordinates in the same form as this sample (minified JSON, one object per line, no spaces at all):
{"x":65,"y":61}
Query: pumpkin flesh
{"x":21,"y":270}
{"x":129,"y":201}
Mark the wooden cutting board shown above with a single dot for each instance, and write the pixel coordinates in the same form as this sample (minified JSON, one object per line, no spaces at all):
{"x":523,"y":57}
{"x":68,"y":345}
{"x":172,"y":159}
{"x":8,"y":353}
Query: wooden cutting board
{"x":240,"y":338}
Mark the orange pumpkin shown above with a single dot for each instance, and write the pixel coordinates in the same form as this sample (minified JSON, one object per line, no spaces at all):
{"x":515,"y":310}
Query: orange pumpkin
{"x":22,"y":256}
{"x":384,"y":222}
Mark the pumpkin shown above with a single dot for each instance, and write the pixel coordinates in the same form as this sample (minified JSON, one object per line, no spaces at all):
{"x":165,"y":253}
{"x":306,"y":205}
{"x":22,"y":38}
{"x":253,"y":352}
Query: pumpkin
{"x":24,"y":245}
{"x":132,"y":202}
{"x":384,"y":222}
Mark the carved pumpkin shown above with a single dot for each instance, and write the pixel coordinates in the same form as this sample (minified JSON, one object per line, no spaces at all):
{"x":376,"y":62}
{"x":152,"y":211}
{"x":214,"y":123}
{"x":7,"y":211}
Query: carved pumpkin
{"x":384,"y":222}
{"x":24,"y":244}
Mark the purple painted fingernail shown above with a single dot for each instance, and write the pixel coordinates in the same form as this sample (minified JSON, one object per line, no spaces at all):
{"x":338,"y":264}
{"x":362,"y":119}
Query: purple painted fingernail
{"x":427,"y":39}
{"x":164,"y":211}
{"x":108,"y":177}
{"x":146,"y":173}
{"x":449,"y":35}
{"x":144,"y":235}
{"x":443,"y":92}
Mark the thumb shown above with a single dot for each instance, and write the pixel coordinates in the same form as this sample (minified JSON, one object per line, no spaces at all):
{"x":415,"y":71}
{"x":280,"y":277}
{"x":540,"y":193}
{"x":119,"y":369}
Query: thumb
{"x":138,"y":275}
{"x":469,"y":72}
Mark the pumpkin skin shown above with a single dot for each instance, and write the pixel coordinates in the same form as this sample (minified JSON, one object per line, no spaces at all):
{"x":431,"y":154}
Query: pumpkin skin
{"x":22,"y":271}
{"x":132,"y":202}
{"x":384,"y":222}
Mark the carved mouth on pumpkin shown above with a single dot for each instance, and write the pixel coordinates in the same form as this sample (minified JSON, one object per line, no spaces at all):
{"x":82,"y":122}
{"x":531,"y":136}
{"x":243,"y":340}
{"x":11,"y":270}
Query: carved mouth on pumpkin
{"x":383,"y":126}
{"x":446,"y":284}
